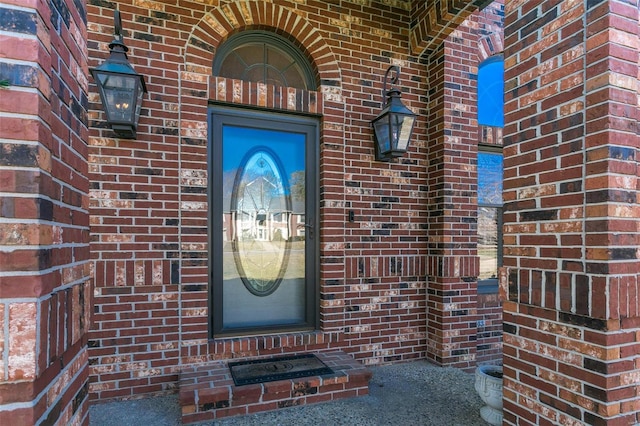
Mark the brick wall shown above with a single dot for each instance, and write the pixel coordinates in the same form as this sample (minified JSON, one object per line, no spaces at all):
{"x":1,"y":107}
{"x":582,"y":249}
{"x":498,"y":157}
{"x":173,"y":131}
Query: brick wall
{"x":571,"y":145}
{"x":454,"y":336}
{"x":44,"y":223}
{"x":571,"y":231}
{"x":149,"y":206}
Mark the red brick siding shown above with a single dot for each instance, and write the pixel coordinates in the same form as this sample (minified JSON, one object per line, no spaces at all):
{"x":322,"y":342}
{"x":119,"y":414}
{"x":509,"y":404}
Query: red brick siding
{"x":571,"y":181}
{"x":489,"y":337}
{"x":149,"y":204}
{"x":454,"y":309}
{"x":45,"y":290}
{"x":432,"y":22}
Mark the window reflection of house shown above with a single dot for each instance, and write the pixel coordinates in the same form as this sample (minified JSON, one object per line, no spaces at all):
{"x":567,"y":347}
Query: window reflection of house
{"x":265,"y":226}
{"x":491,"y":120}
{"x":489,"y":213}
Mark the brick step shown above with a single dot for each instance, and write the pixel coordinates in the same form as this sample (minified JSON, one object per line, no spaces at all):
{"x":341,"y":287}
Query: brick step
{"x":207,"y":391}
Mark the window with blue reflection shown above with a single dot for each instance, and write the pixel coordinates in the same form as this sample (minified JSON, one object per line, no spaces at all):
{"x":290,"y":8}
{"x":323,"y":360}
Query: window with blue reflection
{"x":491,"y":92}
{"x":490,"y":166}
{"x":490,"y":178}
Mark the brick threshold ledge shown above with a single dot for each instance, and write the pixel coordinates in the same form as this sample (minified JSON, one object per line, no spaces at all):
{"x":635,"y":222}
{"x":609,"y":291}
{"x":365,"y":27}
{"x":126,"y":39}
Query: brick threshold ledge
{"x":207,"y":391}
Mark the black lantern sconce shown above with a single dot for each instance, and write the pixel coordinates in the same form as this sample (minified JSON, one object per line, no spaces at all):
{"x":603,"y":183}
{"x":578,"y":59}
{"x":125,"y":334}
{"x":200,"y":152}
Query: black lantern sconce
{"x":394,"y":125}
{"x":121,"y":88}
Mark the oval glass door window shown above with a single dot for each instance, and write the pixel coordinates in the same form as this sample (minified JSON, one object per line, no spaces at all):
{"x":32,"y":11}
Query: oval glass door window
{"x":260,"y":206}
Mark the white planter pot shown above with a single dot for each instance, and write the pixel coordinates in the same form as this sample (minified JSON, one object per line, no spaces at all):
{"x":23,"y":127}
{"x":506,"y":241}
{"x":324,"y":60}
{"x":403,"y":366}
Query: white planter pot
{"x":489,"y":387}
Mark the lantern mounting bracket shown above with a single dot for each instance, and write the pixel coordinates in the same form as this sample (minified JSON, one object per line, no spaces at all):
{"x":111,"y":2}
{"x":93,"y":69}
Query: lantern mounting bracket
{"x":117,"y":25}
{"x":393,"y":79}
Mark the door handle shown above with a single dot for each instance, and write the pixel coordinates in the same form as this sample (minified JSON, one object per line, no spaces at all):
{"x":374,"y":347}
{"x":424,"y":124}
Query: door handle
{"x":310,"y":228}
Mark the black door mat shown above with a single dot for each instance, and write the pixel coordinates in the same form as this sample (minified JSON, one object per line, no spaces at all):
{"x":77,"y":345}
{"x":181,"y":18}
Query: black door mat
{"x":278,"y":368}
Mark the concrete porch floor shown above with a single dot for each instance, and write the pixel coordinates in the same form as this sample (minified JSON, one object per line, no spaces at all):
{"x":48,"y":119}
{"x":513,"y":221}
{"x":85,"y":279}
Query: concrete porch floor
{"x":414,"y":393}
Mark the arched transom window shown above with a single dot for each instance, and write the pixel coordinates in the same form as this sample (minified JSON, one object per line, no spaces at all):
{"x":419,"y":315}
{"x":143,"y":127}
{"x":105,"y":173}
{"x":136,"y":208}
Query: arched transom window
{"x":260,"y":56}
{"x":491,"y":92}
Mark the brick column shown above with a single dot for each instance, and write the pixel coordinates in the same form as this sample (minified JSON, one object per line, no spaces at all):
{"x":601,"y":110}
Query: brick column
{"x":452,"y":181}
{"x":572,"y":222}
{"x":44,"y":275}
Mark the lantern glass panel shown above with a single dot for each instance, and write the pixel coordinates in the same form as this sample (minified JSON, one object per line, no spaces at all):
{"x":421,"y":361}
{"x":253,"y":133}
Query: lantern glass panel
{"x":403,"y":124}
{"x":120,"y":96}
{"x":382,"y":134}
{"x":140,"y":94}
